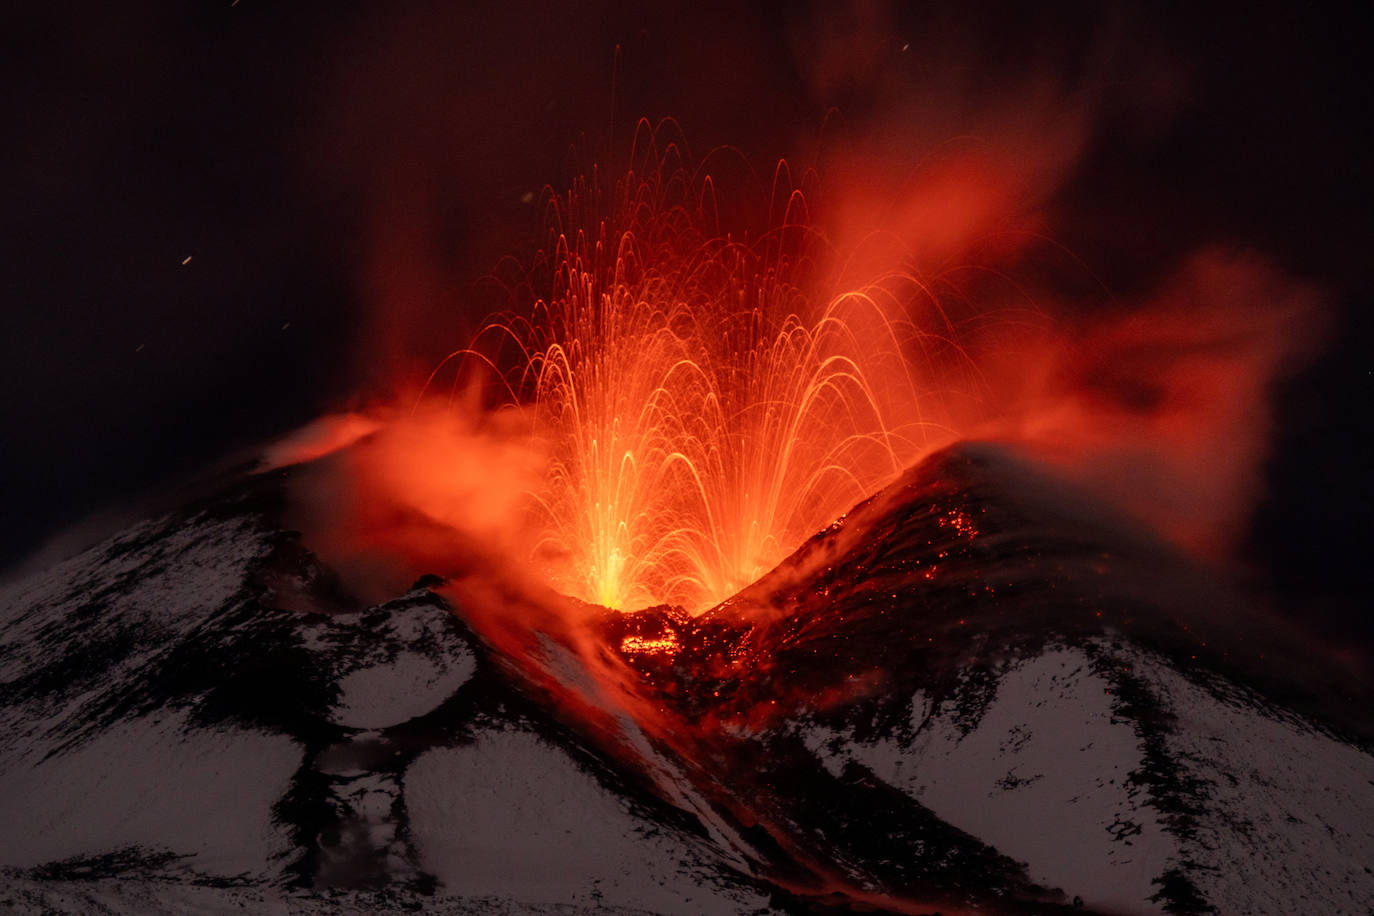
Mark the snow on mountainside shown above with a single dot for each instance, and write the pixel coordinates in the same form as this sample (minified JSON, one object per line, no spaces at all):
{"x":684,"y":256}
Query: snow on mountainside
{"x":93,"y":761}
{"x":173,"y":742}
{"x":956,"y":699}
{"x":543,"y":827}
{"x":1264,"y":791}
{"x":1013,"y":781}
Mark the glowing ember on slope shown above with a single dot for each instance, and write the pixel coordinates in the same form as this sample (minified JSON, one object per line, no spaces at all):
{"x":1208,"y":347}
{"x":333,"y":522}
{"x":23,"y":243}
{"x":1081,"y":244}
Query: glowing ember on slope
{"x":665,"y":644}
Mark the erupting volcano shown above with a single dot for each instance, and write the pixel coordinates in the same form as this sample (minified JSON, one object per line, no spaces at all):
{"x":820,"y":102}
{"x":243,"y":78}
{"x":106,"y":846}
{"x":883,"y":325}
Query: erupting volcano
{"x":694,"y":497}
{"x":926,"y":492}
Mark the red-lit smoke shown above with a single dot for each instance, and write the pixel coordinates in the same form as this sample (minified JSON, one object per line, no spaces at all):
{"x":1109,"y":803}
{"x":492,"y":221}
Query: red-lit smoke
{"x":666,"y":410}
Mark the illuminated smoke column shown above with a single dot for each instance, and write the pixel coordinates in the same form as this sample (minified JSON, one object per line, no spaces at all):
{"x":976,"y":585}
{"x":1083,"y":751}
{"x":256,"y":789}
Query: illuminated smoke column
{"x":705,"y":403}
{"x":670,"y":403}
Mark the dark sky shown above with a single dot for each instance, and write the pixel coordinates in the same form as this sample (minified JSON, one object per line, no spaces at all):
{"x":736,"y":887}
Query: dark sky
{"x":305,"y":155}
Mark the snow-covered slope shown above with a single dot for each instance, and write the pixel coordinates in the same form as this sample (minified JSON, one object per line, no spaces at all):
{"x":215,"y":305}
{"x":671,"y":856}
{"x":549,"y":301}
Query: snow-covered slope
{"x":96,"y":761}
{"x":1059,"y":773}
{"x":174,"y":741}
{"x":957,"y":699}
{"x":537,"y":828}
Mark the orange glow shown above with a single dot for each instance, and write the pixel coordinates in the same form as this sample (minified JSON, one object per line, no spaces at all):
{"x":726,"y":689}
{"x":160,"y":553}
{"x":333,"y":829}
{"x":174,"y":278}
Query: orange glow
{"x":671,"y":404}
{"x":705,"y":403}
{"x":428,"y":490}
{"x":324,"y":436}
{"x":652,"y":645}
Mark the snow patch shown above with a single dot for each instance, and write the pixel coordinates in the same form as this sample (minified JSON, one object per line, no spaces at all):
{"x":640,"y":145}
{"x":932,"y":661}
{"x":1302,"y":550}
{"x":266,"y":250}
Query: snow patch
{"x":408,"y":686}
{"x":153,"y":783}
{"x":157,"y":581}
{"x":1289,"y":814}
{"x":23,"y":896}
{"x":1043,"y":778}
{"x":515,"y":817}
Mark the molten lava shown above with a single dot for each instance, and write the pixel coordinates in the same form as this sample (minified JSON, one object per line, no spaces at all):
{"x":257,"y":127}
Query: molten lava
{"x":705,"y":403}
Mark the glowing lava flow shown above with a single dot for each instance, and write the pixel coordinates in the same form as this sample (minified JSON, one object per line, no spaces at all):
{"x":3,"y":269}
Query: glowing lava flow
{"x":704,"y":410}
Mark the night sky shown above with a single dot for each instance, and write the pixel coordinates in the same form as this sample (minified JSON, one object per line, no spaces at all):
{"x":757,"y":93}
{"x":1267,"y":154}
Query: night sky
{"x":309,"y":156}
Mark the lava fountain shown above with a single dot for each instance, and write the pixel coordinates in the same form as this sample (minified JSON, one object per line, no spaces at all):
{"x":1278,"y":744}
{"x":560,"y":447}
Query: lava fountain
{"x":667,"y":406}
{"x":705,"y":402}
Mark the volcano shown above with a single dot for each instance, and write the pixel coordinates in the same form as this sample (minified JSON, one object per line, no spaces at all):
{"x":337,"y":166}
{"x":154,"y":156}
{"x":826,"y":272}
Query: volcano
{"x":976,"y":691}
